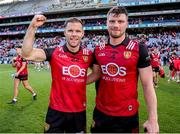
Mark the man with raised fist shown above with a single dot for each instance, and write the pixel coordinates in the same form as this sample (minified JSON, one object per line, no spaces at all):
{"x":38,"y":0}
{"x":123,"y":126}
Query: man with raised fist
{"x":69,"y":64}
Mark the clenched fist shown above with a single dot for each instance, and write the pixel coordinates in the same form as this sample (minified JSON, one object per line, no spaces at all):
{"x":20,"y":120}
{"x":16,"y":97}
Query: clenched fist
{"x":37,"y":21}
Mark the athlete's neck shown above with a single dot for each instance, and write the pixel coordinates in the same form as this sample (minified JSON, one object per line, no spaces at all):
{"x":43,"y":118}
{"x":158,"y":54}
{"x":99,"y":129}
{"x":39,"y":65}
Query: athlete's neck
{"x":116,"y":41}
{"x":73,"y":49}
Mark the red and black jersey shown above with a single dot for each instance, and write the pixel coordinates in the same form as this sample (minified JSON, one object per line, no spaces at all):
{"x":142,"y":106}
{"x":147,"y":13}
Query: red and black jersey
{"x":155,"y":60}
{"x":171,"y":58}
{"x":19,"y":63}
{"x":68,"y":70}
{"x":176,"y":63}
{"x":117,"y":88}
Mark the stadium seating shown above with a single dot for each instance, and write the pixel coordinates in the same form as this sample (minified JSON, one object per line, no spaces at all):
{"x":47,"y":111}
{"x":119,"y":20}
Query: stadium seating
{"x":149,"y":22}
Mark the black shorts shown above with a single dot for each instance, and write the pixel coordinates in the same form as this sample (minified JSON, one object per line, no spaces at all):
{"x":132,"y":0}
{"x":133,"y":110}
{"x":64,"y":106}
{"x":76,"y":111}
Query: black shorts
{"x":156,"y":69}
{"x":171,"y":67}
{"x":103,"y":123}
{"x":63,"y":122}
{"x":22,"y":77}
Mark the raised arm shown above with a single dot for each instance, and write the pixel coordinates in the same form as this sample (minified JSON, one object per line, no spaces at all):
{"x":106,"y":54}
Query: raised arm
{"x":28,"y":52}
{"x":146,"y":77}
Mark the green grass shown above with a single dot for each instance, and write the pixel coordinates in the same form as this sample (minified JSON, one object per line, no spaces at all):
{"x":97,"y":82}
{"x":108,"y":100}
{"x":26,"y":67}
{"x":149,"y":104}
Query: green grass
{"x":28,"y":116}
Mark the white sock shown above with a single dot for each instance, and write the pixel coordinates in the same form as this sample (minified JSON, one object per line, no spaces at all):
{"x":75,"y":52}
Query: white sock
{"x":34,"y":94}
{"x":14,"y":99}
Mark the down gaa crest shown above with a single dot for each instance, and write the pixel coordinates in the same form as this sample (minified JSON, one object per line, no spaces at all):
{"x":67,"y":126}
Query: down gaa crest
{"x":127,"y":54}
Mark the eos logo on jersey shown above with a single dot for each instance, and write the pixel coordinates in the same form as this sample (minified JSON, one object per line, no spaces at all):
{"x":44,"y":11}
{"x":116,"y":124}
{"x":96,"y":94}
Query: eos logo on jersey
{"x":155,"y":59}
{"x":113,"y":69}
{"x":74,"y":71}
{"x":101,"y":54}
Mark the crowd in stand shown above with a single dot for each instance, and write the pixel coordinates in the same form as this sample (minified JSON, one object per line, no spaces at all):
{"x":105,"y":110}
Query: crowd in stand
{"x":166,"y":42}
{"x":33,"y":6}
{"x":95,"y":22}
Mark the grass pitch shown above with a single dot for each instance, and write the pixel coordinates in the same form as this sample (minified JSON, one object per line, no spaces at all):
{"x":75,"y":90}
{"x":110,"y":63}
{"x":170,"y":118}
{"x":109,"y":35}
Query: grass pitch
{"x":28,"y":116}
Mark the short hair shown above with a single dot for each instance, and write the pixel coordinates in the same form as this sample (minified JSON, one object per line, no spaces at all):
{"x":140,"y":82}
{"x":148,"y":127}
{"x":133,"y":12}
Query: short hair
{"x":73,"y":20}
{"x":118,"y":10}
{"x":19,"y":46}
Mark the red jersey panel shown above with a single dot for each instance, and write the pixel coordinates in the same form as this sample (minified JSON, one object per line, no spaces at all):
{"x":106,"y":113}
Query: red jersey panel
{"x":155,"y":60}
{"x":117,"y":90}
{"x":171,"y":58}
{"x":69,"y":70}
{"x":19,"y":63}
{"x":176,"y":62}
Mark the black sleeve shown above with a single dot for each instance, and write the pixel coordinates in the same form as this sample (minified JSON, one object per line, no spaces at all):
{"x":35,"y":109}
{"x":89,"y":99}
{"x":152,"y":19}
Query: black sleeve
{"x":144,"y":58}
{"x":49,"y":52}
{"x":95,"y":61}
{"x":92,"y":63}
{"x":23,"y":60}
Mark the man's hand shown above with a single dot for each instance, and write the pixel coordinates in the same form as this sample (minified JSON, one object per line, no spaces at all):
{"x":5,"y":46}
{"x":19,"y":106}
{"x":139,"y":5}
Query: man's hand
{"x":16,"y":74}
{"x":151,"y":127}
{"x":37,"y":21}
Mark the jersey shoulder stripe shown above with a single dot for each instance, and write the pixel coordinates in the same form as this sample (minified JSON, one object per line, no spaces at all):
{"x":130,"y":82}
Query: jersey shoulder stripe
{"x":101,"y":45}
{"x":86,"y":51}
{"x":132,"y":45}
{"x":60,"y":48}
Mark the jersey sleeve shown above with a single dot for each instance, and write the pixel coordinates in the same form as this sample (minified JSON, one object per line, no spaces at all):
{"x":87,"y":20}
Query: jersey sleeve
{"x":151,"y":57}
{"x":92,"y":62}
{"x":95,"y":60}
{"x":49,"y":52}
{"x":144,"y":58}
{"x":24,"y":60}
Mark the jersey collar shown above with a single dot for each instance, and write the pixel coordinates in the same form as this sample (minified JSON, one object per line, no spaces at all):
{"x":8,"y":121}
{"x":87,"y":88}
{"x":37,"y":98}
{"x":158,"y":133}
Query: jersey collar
{"x":65,"y":48}
{"x":124,"y":42}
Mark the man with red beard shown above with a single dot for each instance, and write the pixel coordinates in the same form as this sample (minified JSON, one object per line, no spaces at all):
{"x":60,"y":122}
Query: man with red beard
{"x":69,"y":64}
{"x":121,"y":60}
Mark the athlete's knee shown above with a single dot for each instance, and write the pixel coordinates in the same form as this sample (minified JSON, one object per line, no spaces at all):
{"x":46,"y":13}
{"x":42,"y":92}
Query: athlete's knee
{"x":27,"y":86}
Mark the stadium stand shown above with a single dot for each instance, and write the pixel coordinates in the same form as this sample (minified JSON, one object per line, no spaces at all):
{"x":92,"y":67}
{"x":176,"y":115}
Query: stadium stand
{"x":158,"y":23}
